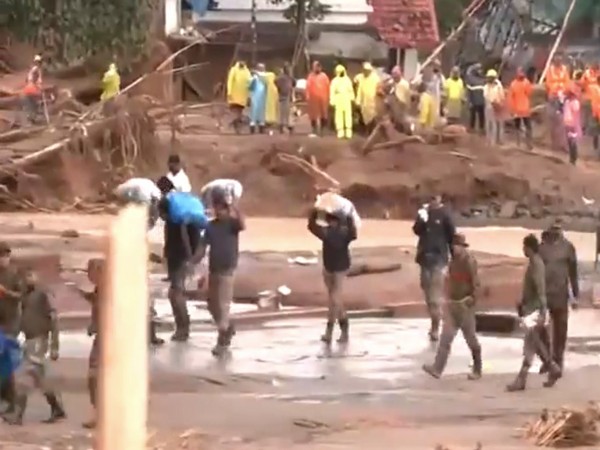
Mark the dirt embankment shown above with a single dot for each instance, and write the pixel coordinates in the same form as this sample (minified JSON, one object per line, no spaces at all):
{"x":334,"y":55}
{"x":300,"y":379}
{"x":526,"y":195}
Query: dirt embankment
{"x":477,"y":180}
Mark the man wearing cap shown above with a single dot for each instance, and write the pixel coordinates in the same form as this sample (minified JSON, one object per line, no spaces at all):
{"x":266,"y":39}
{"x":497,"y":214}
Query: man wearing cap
{"x":464,"y":291}
{"x":32,"y":91}
{"x":435,"y":230}
{"x":494,"y":96}
{"x":475,"y":84}
{"x":10,"y":298}
{"x":560,"y":260}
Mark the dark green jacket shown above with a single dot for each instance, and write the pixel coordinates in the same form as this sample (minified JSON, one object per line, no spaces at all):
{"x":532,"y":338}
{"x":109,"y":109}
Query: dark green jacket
{"x":534,"y":287}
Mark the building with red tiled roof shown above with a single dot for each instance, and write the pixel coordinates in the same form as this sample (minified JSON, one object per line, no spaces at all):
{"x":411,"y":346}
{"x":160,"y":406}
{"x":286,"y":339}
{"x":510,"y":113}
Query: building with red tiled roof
{"x":405,"y":24}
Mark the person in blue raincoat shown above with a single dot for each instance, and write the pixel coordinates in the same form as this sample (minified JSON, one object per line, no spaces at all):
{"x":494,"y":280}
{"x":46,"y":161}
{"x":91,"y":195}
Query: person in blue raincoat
{"x":258,"y":99}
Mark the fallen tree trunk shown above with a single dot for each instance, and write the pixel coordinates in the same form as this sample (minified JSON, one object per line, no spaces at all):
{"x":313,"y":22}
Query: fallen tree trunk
{"x":20,"y":134}
{"x":308,"y":168}
{"x":369,"y":269}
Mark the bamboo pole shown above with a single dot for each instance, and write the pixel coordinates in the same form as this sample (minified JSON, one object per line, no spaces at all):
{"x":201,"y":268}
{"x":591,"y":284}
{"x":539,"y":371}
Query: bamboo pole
{"x":558,"y":40}
{"x":470,"y":12}
{"x":124,"y":336}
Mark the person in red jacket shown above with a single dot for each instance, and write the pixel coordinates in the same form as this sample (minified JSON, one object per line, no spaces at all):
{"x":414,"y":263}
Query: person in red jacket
{"x":317,"y":97}
{"x":519,"y":101}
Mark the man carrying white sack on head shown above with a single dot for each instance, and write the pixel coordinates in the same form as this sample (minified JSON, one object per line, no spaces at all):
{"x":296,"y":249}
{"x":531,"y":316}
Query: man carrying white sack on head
{"x":330,"y":201}
{"x":219,"y":190}
{"x":144,"y":191}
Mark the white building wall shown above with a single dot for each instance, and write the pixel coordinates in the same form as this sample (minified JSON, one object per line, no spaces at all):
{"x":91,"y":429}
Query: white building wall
{"x":342,"y":12}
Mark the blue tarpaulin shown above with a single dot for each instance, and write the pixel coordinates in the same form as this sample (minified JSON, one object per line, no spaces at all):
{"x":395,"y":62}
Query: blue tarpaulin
{"x":10,"y":356}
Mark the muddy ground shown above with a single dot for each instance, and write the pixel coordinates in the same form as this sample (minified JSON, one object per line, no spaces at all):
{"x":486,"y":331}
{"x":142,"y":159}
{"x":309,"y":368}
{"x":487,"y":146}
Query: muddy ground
{"x":269,"y":260}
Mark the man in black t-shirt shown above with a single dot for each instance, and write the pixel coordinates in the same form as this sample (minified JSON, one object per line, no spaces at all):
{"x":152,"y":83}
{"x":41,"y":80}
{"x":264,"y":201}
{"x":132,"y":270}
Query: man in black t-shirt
{"x":222,"y":236}
{"x":181,"y":253}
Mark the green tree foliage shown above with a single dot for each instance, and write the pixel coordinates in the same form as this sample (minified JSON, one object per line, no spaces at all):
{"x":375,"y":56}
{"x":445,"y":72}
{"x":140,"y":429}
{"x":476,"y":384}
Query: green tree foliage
{"x":299,"y":11}
{"x":72,"y":30}
{"x":449,"y":14}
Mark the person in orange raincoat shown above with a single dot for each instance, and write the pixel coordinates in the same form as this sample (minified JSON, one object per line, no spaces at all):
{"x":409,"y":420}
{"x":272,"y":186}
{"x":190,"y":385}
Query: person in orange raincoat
{"x":594,"y":97}
{"x":589,"y":78}
{"x":317,"y":98}
{"x":519,"y":102}
{"x":557,"y":78}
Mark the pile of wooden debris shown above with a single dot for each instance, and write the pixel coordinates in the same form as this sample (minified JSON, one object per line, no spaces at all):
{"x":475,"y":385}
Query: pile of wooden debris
{"x":566,"y":427}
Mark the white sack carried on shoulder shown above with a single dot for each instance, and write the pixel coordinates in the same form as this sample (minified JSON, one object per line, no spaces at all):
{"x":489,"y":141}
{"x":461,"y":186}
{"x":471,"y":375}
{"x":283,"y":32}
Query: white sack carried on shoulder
{"x":142,"y":190}
{"x":232,"y":189}
{"x":331,"y":202}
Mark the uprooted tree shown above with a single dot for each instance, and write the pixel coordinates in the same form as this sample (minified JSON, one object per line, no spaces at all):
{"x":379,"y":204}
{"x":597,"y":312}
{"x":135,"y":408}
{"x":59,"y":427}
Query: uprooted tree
{"x":69,"y":31}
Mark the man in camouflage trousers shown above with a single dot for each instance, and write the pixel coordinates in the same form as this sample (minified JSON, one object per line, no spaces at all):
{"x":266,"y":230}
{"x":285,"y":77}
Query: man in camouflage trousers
{"x":463,"y":294}
{"x":10,"y":301}
{"x":560,"y":261}
{"x":532,"y":310}
{"x":40,"y":327}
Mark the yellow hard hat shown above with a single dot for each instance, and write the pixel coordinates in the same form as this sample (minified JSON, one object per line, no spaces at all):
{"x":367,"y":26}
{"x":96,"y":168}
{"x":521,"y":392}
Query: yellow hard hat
{"x":367,"y":66}
{"x":491,"y":74}
{"x":339,"y":69}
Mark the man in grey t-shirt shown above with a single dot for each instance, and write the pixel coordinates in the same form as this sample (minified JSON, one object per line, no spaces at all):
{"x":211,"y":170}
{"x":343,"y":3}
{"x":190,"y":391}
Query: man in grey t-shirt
{"x":222,"y":236}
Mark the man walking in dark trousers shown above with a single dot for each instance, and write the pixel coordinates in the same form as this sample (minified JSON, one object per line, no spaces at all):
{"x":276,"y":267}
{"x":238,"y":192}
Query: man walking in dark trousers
{"x":464,"y":291}
{"x":435,"y":230}
{"x":10,"y":306}
{"x":40,"y":327}
{"x":181,"y":252}
{"x":222,"y":236}
{"x":475,"y":84}
{"x":336,"y":237}
{"x":560,"y":260}
{"x":532,"y":310}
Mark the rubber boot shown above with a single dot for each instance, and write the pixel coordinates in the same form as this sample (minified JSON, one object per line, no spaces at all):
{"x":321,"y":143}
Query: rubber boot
{"x":16,"y":418}
{"x":477,"y":366}
{"x":520,"y":382}
{"x":228,"y":335}
{"x":431,"y":370}
{"x":261,"y":129}
{"x":434,"y":331}
{"x":153,"y":338}
{"x":222,"y":347}
{"x":344,"y":331}
{"x":327,"y":336}
{"x":57,"y":411}
{"x":554,"y":374}
{"x":252,"y":129}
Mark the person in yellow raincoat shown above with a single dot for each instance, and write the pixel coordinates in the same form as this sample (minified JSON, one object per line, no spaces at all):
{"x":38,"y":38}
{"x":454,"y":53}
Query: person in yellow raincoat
{"x":111,"y":86}
{"x":238,"y":93}
{"x":427,"y":109}
{"x":111,"y":83}
{"x":366,"y":93}
{"x":272,"y":106}
{"x":341,"y":97}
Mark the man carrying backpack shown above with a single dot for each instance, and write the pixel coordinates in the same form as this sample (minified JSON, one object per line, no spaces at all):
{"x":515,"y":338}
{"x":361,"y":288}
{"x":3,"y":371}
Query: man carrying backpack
{"x":181,"y":253}
{"x":222,"y":236}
